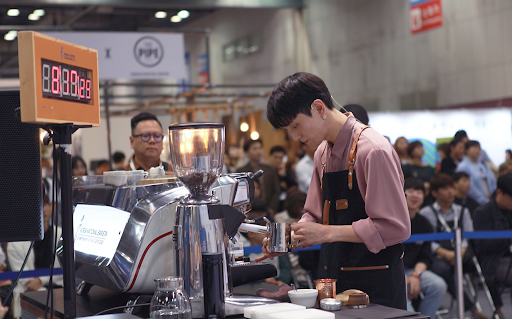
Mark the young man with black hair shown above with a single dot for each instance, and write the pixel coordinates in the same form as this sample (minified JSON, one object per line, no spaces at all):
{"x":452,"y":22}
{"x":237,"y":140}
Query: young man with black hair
{"x":270,"y":188}
{"x":483,"y":182}
{"x":355,"y":205}
{"x":418,"y":256}
{"x":118,"y":158}
{"x":483,"y":157}
{"x":494,"y":254}
{"x":456,"y":154}
{"x":147,"y":143}
{"x":462,"y":185}
{"x":445,"y":216}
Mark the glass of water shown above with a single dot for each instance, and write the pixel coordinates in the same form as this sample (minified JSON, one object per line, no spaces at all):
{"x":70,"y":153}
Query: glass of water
{"x":170,"y":301}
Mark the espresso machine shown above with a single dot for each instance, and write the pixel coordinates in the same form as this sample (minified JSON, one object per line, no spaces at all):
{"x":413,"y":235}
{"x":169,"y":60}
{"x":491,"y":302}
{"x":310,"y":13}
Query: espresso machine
{"x":142,"y":249}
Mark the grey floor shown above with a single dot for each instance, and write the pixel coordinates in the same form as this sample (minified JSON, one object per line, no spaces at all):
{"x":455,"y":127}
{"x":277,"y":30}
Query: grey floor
{"x":486,"y":308}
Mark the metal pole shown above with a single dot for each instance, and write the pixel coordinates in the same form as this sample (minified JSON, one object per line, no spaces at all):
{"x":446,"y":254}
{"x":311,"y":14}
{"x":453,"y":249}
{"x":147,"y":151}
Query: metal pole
{"x":458,"y":272}
{"x":63,"y":139}
{"x":109,"y":135}
{"x":207,"y":42}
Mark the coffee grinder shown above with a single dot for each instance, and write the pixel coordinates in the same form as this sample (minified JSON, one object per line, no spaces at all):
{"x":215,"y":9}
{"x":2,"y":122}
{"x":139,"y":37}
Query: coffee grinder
{"x":197,"y":151}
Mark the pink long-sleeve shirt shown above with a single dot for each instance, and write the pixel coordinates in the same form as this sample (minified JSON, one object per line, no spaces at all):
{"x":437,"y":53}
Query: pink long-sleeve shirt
{"x":380,"y":180}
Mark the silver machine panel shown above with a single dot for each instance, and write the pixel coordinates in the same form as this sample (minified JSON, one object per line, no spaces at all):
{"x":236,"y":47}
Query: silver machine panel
{"x":146,"y":249}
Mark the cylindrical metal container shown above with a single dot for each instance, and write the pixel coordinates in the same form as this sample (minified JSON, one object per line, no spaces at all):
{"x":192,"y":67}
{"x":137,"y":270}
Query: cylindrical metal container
{"x":279,"y":237}
{"x":326,"y":288}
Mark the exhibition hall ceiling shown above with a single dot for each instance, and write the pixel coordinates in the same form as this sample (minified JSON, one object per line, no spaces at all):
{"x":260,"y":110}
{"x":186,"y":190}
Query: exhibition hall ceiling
{"x":106,"y":15}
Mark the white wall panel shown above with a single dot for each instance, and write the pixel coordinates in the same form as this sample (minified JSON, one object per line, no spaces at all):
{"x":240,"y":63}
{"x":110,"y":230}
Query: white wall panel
{"x":491,"y":127}
{"x":498,"y":82}
{"x":364,"y":49}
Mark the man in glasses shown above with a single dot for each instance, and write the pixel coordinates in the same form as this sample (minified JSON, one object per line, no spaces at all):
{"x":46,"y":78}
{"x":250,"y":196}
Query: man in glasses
{"x":147,"y":143}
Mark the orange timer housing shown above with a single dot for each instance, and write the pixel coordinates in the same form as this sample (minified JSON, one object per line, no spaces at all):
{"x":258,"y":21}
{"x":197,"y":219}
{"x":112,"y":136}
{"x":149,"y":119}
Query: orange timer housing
{"x":58,"y":81}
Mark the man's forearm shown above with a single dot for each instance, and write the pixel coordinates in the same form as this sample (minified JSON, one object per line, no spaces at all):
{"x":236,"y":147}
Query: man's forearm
{"x":343,"y":233}
{"x":441,"y":252}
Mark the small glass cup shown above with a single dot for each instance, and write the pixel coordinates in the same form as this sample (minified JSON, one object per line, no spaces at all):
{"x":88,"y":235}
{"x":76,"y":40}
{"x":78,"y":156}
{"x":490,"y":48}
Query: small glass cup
{"x":170,"y":301}
{"x":326,"y":288}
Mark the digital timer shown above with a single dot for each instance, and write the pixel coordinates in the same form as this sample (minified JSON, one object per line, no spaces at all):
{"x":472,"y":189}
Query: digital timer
{"x":66,"y":82}
{"x":59,"y":81}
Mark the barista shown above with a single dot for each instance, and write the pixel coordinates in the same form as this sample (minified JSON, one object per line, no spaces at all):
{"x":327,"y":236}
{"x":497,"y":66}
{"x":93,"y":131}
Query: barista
{"x":356,"y":210}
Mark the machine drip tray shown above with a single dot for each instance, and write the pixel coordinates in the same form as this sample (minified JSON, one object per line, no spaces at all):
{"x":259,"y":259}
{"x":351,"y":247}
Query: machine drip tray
{"x":235,"y":304}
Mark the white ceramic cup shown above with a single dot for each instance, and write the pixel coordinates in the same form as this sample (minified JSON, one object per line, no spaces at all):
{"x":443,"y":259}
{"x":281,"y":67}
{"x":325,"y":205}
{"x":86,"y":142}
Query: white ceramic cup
{"x":303,"y":297}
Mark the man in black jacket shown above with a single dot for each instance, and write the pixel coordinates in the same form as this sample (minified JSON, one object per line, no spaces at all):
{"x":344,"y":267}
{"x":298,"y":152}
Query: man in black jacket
{"x":417,"y":256}
{"x":494,"y":254}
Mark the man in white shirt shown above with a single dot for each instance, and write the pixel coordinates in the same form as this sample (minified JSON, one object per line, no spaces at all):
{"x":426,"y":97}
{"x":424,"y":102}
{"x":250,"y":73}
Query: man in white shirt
{"x":304,"y":168}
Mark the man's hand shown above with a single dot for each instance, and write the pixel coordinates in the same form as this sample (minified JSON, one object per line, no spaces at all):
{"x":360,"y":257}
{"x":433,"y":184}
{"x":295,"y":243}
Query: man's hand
{"x":414,"y":287}
{"x":450,"y":256}
{"x":3,"y":310}
{"x":446,"y":254}
{"x":33,"y":284}
{"x":266,"y":254}
{"x":308,"y":234}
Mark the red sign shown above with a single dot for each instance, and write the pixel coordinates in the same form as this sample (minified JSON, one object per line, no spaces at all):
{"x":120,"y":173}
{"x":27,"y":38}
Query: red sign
{"x":425,"y":15}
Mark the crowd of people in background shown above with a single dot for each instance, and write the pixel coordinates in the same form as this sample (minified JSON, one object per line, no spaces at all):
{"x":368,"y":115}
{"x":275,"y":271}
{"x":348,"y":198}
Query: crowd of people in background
{"x":464,"y":190}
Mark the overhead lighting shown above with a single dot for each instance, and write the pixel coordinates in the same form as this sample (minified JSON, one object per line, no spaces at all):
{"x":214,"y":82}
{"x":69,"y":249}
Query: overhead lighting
{"x":161,"y":15}
{"x":244,"y":127}
{"x":13,"y":12}
{"x":183,"y":14}
{"x":39,"y":12}
{"x":255,"y":135}
{"x":175,"y":19}
{"x":33,"y":17}
{"x":11,"y":35}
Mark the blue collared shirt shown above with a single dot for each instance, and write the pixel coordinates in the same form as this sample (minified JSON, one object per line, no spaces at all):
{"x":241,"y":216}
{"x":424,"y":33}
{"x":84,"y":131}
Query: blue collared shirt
{"x":476,"y":172}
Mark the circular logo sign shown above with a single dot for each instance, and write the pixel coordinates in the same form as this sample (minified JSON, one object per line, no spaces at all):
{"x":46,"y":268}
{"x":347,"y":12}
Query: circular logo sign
{"x":148,"y":51}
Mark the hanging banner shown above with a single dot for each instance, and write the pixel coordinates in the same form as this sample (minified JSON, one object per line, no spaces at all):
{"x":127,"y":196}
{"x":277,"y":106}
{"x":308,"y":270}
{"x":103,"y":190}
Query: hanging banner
{"x":133,"y":55}
{"x":202,"y":65}
{"x":425,"y":15}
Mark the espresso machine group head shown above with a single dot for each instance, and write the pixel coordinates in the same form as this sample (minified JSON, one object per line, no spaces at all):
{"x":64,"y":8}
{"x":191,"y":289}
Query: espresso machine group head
{"x":197,"y":151}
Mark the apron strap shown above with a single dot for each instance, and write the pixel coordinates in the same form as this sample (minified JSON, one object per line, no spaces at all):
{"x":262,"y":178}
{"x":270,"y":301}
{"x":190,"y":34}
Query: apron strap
{"x":352,"y":156}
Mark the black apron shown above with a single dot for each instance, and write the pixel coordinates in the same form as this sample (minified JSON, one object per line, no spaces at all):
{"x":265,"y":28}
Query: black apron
{"x":379,"y":275}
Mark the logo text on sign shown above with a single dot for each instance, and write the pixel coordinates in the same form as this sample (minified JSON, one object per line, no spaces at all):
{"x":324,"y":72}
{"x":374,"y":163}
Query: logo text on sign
{"x":425,"y":15}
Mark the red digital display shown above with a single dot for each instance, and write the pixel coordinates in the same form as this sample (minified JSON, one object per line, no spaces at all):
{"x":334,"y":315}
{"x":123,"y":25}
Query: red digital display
{"x":66,"y":82}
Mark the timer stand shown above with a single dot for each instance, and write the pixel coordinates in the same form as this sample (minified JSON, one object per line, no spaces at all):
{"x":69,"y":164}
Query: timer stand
{"x":61,"y":136}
